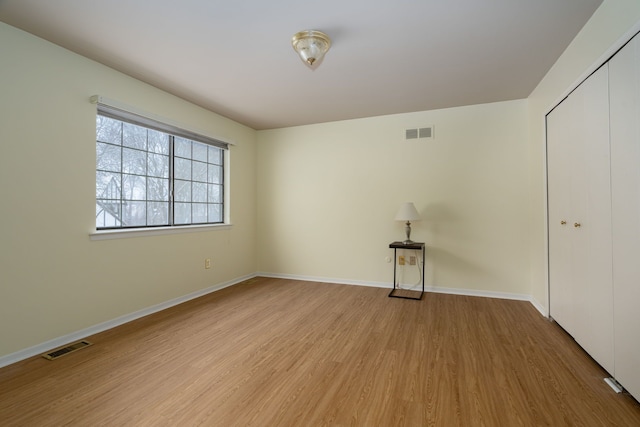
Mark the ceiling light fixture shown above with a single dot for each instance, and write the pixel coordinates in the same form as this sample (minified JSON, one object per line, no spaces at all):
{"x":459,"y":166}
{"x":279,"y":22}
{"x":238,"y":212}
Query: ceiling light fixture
{"x":311,"y":45}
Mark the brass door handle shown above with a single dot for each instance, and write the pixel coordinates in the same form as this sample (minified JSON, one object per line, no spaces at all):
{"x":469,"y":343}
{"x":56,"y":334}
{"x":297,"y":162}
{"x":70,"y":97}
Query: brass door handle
{"x":563,"y":222}
{"x":577,"y":224}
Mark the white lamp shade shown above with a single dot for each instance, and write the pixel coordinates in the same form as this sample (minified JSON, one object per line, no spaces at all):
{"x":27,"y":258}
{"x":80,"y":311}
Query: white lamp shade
{"x":407,"y":212}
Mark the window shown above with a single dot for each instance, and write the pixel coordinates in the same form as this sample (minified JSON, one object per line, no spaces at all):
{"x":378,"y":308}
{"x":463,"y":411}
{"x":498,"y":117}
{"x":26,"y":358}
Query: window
{"x":149,"y":174}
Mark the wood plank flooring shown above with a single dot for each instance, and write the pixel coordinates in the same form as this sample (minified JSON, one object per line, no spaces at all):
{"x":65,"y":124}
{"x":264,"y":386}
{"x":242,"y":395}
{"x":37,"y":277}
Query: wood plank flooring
{"x":273,"y":352}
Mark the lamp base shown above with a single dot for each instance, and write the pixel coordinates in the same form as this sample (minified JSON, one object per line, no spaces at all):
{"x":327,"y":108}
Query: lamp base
{"x":407,"y":230}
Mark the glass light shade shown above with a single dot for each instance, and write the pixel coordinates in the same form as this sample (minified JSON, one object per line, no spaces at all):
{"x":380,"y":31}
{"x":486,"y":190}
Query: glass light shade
{"x":311,"y":45}
{"x":407,"y":212}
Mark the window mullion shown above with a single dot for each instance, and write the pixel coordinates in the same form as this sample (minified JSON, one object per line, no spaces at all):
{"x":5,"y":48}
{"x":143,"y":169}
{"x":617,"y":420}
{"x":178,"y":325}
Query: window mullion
{"x":171,"y":180}
{"x":147,"y":205}
{"x":122,"y":202}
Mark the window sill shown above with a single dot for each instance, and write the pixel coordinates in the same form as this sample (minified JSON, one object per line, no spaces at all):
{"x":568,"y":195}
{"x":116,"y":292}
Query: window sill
{"x":157,"y":231}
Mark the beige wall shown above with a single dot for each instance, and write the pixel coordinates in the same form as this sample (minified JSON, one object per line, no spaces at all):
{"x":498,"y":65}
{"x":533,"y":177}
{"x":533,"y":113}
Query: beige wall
{"x":328,"y":194}
{"x":611,"y":22}
{"x":53,"y":279}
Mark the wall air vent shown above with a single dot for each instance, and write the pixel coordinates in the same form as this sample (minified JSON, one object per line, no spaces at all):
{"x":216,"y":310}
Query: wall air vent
{"x":411,"y":134}
{"x":419,"y":133}
{"x":425,"y":132}
{"x":59,"y":352}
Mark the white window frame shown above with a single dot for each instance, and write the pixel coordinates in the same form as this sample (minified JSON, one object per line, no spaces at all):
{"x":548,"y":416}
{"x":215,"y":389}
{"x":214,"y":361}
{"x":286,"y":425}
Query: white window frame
{"x":117,"y":111}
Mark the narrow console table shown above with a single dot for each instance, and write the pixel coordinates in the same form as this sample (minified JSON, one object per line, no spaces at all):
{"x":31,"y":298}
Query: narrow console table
{"x":396,"y":286}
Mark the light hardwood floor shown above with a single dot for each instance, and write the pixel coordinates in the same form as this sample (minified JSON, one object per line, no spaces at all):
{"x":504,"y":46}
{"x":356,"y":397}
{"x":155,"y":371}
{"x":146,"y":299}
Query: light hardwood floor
{"x":273,"y":352}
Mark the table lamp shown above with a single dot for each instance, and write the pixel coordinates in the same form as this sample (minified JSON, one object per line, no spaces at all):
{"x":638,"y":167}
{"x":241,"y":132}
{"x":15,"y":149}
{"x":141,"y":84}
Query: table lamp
{"x":408,"y":213}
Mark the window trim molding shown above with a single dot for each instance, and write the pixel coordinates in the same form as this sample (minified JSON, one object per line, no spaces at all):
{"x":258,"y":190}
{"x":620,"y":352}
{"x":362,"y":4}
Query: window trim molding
{"x":111,"y":234}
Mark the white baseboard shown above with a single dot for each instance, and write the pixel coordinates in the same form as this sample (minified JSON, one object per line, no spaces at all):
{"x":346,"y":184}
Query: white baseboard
{"x":324,"y":280}
{"x":541,"y":308}
{"x":434,"y":289}
{"x":101,"y":327}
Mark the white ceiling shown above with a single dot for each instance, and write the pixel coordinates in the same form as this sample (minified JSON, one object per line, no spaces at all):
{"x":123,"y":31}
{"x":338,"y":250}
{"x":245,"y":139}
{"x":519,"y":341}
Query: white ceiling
{"x":235,"y":58}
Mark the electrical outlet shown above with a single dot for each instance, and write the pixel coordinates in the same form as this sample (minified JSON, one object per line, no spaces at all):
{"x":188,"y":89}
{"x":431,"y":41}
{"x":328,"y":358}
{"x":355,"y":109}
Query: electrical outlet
{"x":412,"y":260}
{"x":207,"y":263}
{"x":401,"y":260}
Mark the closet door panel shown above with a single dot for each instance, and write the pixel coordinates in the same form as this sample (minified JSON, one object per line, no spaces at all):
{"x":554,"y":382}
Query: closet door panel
{"x":579,"y":194}
{"x":625,"y":179}
{"x":591,"y":222}
{"x":559,"y":148}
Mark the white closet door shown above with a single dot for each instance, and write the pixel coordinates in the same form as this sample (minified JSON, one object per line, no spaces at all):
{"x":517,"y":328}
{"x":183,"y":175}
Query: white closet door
{"x":559,"y":150}
{"x":625,"y":180}
{"x":592,"y":223}
{"x":580,"y":272}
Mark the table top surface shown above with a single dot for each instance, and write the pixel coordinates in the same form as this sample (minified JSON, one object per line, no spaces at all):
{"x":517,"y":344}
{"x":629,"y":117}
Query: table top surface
{"x":401,"y":245}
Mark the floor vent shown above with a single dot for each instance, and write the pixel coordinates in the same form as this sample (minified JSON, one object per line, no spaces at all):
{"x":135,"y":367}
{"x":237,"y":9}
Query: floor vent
{"x":59,"y":352}
{"x":615,"y":385}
